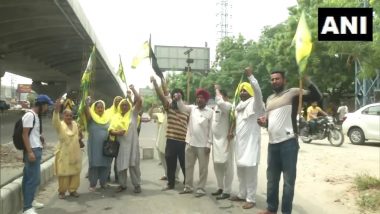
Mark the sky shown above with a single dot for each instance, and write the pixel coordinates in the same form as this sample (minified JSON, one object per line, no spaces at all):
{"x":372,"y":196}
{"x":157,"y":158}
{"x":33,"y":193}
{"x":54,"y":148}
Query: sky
{"x":122,"y":26}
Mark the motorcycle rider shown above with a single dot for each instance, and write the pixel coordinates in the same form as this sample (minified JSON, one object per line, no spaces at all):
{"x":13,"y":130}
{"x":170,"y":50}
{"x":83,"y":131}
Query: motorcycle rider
{"x":312,"y":115}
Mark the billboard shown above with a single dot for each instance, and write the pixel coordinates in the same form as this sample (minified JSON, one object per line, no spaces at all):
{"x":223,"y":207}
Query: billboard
{"x":174,"y":58}
{"x":24,"y":88}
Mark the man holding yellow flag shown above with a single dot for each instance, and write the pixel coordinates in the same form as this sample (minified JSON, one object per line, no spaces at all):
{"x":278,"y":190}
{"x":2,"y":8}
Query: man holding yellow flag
{"x":280,"y":120}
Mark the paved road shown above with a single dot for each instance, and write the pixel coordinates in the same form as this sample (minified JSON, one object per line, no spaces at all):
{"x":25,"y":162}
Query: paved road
{"x":314,"y":194}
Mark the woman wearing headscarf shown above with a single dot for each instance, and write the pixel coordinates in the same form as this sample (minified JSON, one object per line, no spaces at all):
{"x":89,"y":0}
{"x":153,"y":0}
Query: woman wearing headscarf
{"x":68,"y":158}
{"x":124,"y":128}
{"x":98,"y":123}
{"x":111,"y":111}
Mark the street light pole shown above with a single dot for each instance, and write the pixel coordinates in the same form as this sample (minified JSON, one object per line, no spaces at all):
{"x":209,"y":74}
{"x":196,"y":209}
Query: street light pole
{"x":188,"y":68}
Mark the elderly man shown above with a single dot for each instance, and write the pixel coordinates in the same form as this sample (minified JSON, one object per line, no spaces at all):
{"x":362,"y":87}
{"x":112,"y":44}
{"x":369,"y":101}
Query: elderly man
{"x":222,"y":151}
{"x":247,"y":140}
{"x":198,"y":139}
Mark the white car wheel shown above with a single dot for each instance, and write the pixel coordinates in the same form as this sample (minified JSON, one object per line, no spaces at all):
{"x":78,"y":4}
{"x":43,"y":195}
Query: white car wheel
{"x":356,"y":136}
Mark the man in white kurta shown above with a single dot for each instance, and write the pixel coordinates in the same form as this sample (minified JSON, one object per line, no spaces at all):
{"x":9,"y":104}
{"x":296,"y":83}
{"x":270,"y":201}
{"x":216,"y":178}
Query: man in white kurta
{"x":198,"y":139}
{"x":247,"y":140}
{"x":222,"y":149}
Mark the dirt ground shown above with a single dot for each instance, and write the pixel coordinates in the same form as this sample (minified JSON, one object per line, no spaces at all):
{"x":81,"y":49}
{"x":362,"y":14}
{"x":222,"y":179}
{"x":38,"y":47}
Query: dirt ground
{"x":326,"y":174}
{"x":11,"y":157}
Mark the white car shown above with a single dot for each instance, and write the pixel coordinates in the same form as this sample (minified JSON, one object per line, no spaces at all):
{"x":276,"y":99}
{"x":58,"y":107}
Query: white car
{"x":363,"y":124}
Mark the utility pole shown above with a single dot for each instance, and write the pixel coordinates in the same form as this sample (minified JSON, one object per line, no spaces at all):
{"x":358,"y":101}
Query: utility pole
{"x":188,"y":68}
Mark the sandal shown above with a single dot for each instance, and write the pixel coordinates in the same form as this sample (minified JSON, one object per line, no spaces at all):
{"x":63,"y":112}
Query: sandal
{"x":120,"y":189}
{"x":91,"y":189}
{"x":61,"y":195}
{"x":137,"y":189}
{"x":248,"y":205}
{"x":235,"y":198}
{"x":74,"y":194}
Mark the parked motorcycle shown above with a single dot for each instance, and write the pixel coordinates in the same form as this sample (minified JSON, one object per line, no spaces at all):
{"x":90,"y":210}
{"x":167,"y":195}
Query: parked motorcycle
{"x":324,"y":128}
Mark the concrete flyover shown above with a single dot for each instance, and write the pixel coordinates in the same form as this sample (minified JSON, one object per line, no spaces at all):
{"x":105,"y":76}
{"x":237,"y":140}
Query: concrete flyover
{"x":50,"y":41}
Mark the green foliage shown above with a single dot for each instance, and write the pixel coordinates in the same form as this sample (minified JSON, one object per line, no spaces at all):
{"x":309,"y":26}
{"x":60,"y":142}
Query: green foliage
{"x":331,"y":64}
{"x":150,"y":101}
{"x":364,"y":182}
{"x":369,"y":192}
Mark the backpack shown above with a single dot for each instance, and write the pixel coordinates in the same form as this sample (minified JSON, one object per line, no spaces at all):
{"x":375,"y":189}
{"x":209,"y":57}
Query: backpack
{"x":17,"y":133}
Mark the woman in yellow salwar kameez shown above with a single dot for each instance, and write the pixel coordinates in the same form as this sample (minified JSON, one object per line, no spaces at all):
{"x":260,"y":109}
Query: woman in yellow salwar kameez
{"x":68,"y":159}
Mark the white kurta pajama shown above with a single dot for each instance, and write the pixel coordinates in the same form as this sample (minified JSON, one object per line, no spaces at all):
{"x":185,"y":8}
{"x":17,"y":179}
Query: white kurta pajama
{"x":222,"y":150}
{"x":247,"y":142}
{"x":198,"y":139}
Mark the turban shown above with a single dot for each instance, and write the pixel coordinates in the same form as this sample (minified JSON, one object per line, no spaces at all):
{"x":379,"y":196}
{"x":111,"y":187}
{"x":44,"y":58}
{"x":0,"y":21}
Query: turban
{"x":246,"y":86}
{"x":203,"y":92}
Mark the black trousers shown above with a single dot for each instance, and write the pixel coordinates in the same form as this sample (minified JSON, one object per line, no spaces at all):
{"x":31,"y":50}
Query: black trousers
{"x":174,"y":150}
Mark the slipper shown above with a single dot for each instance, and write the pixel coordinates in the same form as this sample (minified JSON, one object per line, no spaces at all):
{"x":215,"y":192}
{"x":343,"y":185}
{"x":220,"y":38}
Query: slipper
{"x":186,"y":191}
{"x":61,"y":196}
{"x":235,"y":198}
{"x":120,"y":189}
{"x":137,"y":189}
{"x":248,"y":205}
{"x":74,"y":194}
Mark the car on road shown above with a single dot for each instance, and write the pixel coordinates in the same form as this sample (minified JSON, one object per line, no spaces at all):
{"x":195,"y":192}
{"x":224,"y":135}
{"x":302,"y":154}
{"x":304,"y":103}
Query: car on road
{"x":4,"y":105}
{"x":363,"y":124}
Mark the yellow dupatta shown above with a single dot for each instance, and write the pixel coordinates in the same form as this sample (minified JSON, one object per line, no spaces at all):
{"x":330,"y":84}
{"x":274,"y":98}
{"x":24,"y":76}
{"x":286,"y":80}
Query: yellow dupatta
{"x":104,"y":119}
{"x":113,"y":109}
{"x":119,"y":121}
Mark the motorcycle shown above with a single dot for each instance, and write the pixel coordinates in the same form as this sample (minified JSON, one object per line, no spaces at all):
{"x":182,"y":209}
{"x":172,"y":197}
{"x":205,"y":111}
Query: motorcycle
{"x":324,"y":128}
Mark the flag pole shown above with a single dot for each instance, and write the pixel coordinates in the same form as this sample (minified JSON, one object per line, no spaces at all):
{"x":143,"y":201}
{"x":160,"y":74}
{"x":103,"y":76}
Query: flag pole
{"x":300,"y":96}
{"x":188,"y":83}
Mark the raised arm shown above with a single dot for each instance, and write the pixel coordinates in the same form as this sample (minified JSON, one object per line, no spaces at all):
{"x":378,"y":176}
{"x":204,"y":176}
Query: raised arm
{"x":55,"y":119}
{"x":258,"y":96}
{"x":87,"y":108}
{"x":164,"y":87}
{"x":223,"y":105}
{"x":138,"y":100}
{"x":181,"y":106}
{"x":159,"y":93}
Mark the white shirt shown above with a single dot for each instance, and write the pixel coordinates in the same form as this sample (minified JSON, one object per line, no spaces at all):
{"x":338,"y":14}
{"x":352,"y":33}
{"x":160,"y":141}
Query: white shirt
{"x":248,"y":132}
{"x":27,"y":122}
{"x":220,"y":128}
{"x":342,"y":111}
{"x":199,"y":133}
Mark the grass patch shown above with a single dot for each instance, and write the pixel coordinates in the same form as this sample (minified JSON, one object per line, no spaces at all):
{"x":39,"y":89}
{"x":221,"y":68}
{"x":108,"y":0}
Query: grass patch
{"x":369,"y":192}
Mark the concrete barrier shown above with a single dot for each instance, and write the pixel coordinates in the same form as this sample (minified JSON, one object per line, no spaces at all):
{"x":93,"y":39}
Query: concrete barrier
{"x":11,"y":194}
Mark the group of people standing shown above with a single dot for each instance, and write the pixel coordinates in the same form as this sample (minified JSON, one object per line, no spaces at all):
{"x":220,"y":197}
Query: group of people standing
{"x":234,"y":135}
{"x":187,"y":135}
{"x":120,"y":121}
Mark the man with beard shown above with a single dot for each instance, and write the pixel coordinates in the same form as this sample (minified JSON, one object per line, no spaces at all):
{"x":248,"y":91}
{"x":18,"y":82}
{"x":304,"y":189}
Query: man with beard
{"x":248,"y":138}
{"x":280,"y":119}
{"x":175,"y":134}
{"x":198,"y":139}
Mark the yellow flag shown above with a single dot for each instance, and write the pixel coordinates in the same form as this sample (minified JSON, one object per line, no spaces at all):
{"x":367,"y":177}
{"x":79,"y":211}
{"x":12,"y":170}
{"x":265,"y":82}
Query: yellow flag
{"x":303,"y":43}
{"x":142,"y":54}
{"x":120,"y":72}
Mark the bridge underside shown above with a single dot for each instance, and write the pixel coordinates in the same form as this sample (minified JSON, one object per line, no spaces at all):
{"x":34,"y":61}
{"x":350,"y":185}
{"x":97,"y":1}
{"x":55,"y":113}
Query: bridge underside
{"x":47,"y":41}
